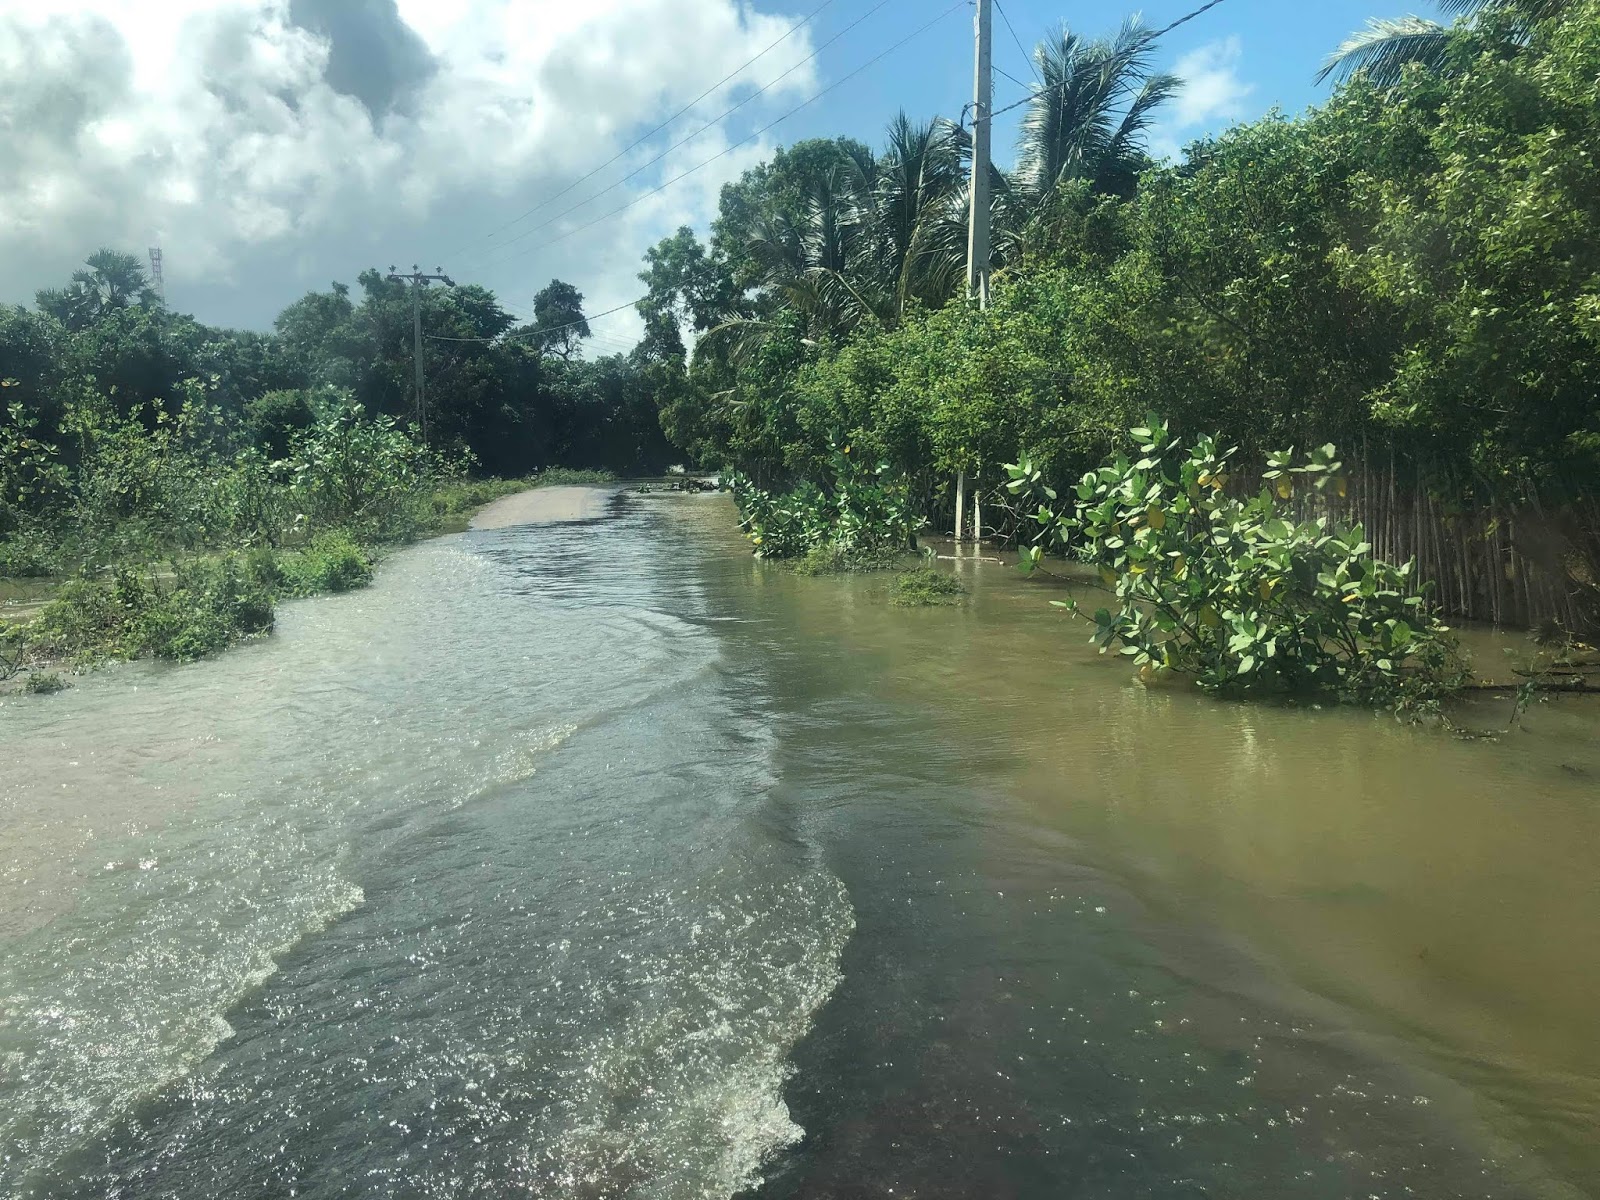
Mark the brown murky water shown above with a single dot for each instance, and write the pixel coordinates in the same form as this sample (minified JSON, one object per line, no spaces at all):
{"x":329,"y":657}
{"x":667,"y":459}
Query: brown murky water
{"x":1436,"y":900}
{"x":600,"y":860}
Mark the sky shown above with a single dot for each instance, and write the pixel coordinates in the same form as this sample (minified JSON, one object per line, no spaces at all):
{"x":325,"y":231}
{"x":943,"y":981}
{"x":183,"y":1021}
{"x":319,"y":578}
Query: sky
{"x":271,"y":147}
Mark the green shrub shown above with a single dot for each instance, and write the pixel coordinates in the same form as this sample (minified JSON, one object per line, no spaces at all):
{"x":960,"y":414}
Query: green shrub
{"x":362,"y":473}
{"x":210,"y":606}
{"x":333,"y":562}
{"x":861,"y":510}
{"x":832,"y":558}
{"x":44,"y":683}
{"x":92,"y":619}
{"x":29,"y":553}
{"x":13,"y":648}
{"x":571,"y":477}
{"x":925,"y":588}
{"x":206,"y":606}
{"x":1237,"y":593}
{"x":272,"y":419}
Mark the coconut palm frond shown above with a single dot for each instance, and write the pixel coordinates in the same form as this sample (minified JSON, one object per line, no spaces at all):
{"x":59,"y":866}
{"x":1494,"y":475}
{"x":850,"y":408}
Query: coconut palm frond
{"x":1124,"y":154}
{"x":1385,"y":48}
{"x":1096,"y":104}
{"x":744,"y":338}
{"x":1531,"y":10}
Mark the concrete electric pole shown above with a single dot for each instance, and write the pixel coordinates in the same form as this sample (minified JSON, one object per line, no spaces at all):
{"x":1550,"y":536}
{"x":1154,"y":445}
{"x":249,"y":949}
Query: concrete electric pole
{"x":978,"y":239}
{"x":978,"y":229}
{"x":418,"y":281}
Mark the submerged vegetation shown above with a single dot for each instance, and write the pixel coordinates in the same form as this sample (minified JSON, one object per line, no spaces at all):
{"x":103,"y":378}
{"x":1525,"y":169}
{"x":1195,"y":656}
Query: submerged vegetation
{"x":1243,"y":593}
{"x":855,"y":516}
{"x":172,"y":550}
{"x":569,"y":476}
{"x":925,"y":588}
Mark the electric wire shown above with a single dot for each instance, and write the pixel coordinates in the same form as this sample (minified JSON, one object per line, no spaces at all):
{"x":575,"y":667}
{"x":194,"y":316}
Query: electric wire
{"x":1162,"y":32}
{"x":517,"y":337}
{"x":735,"y":145}
{"x":548,"y":200}
{"x":1032,"y":66}
{"x":678,"y":145}
{"x":1027,"y":87}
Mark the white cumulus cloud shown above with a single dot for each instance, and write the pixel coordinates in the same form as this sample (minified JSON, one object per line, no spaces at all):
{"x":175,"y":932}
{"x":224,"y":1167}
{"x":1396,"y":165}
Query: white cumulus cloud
{"x":1213,"y":94}
{"x":274,"y":145}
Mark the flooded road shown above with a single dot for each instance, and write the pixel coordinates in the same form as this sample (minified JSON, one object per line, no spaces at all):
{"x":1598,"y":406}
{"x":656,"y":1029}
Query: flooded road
{"x":597,"y":859}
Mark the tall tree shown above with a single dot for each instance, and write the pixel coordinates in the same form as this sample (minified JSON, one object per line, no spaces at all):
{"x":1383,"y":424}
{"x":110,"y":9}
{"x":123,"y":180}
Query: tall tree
{"x":110,"y":281}
{"x":687,"y":287}
{"x":1089,"y":119}
{"x":559,"y":325}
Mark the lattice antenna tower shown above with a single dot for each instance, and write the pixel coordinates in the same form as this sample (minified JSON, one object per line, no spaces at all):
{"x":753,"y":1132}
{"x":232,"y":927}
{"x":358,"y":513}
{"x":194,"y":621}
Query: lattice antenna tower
{"x":156,"y":277}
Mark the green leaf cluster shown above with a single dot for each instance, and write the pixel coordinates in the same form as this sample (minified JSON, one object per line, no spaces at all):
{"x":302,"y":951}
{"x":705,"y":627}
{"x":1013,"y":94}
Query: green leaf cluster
{"x":1239,"y":592}
{"x":861,"y":515}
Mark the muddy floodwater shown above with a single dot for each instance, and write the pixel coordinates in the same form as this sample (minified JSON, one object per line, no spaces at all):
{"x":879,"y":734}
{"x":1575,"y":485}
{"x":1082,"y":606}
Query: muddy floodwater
{"x":597,"y":859}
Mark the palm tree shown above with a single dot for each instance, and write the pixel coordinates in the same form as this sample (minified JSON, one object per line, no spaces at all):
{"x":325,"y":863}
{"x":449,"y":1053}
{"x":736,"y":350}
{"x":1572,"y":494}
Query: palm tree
{"x":1089,"y":119}
{"x":874,"y":235}
{"x":918,"y":223}
{"x":111,"y":281}
{"x":878,"y":235}
{"x":1384,"y":49}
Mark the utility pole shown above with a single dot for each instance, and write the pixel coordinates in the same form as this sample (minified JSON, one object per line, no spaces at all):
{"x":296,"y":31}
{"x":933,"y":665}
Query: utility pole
{"x":418,"y":281}
{"x":978,"y":230}
{"x":978,"y":251}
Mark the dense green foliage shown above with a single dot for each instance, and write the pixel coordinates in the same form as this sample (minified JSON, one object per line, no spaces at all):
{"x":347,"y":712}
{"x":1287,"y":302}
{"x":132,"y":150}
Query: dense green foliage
{"x":181,"y":479}
{"x":114,"y":410}
{"x":858,"y":514}
{"x":1237,"y":592}
{"x":1412,"y":268}
{"x":176,"y":549}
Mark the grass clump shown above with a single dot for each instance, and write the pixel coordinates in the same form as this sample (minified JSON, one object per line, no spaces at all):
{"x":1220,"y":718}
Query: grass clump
{"x":461,"y":497}
{"x":45,"y":683}
{"x":925,"y":588}
{"x":333,"y":562}
{"x":831,"y":558}
{"x":570,"y":477}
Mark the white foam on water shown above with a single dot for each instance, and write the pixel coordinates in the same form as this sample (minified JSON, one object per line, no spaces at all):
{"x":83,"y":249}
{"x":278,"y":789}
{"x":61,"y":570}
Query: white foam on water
{"x":670,"y":1084}
{"x":91,"y":1024}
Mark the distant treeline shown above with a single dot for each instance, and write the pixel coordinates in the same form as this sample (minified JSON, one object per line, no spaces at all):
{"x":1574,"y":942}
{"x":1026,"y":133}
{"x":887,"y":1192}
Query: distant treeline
{"x":104,"y":352}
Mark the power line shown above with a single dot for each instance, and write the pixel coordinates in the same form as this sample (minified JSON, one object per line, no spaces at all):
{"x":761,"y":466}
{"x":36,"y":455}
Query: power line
{"x":748,"y":138}
{"x":715,"y":121}
{"x":794,"y":29}
{"x":1027,"y":87}
{"x":1033,"y":66}
{"x":516,"y":337}
{"x":1162,"y":32}
{"x":1199,"y":12}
